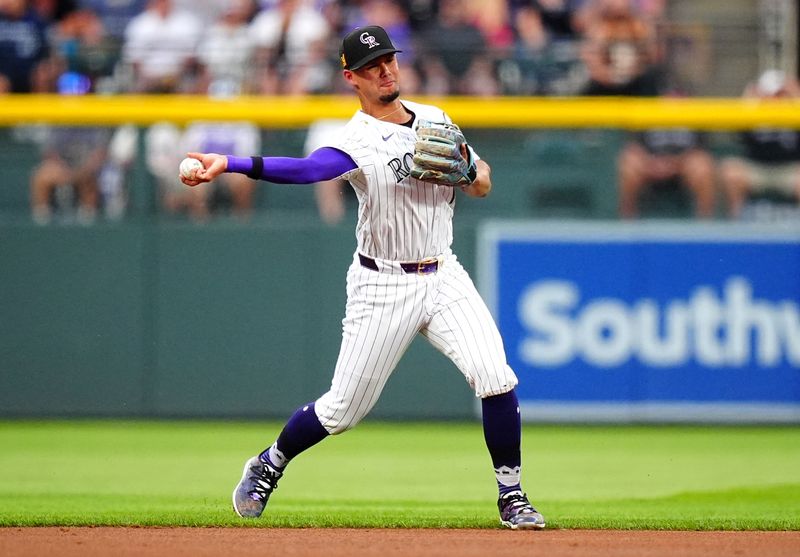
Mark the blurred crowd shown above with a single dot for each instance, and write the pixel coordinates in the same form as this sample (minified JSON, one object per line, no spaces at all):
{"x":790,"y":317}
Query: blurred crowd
{"x":224,"y":48}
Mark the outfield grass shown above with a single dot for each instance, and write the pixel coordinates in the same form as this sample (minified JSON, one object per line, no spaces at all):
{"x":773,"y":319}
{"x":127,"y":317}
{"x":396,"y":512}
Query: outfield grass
{"x":400,"y":475}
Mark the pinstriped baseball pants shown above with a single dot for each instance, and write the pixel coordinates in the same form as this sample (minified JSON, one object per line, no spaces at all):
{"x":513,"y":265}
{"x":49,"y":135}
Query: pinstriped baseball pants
{"x":385,"y":310}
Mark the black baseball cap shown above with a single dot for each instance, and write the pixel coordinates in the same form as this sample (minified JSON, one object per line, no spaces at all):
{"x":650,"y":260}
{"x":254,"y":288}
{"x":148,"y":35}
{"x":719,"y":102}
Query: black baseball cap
{"x":364,"y":44}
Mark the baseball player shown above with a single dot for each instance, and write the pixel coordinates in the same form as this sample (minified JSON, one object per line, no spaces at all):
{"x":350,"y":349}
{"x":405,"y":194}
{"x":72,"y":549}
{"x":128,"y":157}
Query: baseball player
{"x":406,"y":163}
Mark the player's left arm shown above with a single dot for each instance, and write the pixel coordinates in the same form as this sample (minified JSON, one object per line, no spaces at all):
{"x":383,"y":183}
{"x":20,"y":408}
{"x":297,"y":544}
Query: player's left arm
{"x":482,"y":184}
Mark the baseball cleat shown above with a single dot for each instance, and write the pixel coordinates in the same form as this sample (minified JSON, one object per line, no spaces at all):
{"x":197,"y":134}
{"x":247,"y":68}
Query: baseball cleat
{"x":517,"y":513}
{"x":258,"y":482}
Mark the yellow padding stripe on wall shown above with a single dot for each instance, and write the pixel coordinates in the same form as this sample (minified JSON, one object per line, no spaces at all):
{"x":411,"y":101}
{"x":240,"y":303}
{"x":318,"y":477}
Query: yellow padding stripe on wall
{"x":503,"y":112}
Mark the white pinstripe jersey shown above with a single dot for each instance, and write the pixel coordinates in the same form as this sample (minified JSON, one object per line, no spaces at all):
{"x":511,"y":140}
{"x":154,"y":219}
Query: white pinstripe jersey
{"x":399,"y":218}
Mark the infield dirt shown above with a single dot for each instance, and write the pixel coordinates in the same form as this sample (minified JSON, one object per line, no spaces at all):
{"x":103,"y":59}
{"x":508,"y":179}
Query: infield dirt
{"x":195,"y":542}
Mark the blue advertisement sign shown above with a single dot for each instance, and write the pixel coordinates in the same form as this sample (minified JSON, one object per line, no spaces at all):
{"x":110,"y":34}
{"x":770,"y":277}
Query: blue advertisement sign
{"x":648,"y":322}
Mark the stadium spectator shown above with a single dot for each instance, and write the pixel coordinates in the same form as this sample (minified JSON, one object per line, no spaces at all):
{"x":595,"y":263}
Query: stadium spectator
{"x":166,"y":145}
{"x":82,"y":51}
{"x":421,"y":13}
{"x":544,"y":60}
{"x":530,"y":69}
{"x":226,"y":52}
{"x":525,"y":72}
{"x":770,"y":164}
{"x":456,"y":58}
{"x":113,"y":180}
{"x":225,"y":57}
{"x":664,"y":160}
{"x":620,"y":50}
{"x":207,"y":11}
{"x":115,"y":14}
{"x":72,"y":159}
{"x":331,"y":195}
{"x":23,"y":48}
{"x":335,"y":14}
{"x":53,"y":11}
{"x":493,"y":19}
{"x":291,"y":56}
{"x":560,"y":18}
{"x":652,"y":10}
{"x":163,"y":153}
{"x":235,"y":191}
{"x":160,"y":45}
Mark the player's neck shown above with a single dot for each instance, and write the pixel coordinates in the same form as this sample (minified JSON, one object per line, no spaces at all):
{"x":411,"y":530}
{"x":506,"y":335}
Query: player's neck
{"x":394,"y":112}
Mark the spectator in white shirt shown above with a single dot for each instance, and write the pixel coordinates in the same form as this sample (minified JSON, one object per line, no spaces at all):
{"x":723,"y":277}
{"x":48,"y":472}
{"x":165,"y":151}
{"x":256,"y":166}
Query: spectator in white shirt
{"x":226,"y":52}
{"x":160,"y":46}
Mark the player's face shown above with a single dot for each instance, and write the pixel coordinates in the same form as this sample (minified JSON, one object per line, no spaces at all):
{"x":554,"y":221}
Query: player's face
{"x":378,"y":81}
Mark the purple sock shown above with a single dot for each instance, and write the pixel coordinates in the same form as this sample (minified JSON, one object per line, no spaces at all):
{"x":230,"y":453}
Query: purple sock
{"x":502,"y":430}
{"x":301,"y":432}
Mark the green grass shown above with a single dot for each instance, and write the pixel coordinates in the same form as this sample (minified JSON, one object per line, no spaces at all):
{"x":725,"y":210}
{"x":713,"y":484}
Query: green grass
{"x":400,"y":475}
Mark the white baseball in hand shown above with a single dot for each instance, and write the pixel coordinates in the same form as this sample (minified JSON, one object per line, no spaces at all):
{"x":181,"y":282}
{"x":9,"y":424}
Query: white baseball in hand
{"x":189,"y":167}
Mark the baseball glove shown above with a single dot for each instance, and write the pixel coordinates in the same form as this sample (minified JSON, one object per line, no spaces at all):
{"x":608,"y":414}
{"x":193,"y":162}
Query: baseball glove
{"x":437,"y":155}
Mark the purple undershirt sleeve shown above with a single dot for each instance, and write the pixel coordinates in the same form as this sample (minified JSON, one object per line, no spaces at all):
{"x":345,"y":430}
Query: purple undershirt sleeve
{"x":325,"y":163}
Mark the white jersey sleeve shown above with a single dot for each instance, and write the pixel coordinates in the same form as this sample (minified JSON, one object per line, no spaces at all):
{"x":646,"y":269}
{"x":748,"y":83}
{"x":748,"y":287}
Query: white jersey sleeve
{"x":356,"y":141}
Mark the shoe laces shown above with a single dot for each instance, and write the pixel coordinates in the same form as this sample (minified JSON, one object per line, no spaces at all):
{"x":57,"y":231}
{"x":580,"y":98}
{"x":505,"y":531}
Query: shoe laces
{"x":264,"y":479}
{"x":516,"y":503}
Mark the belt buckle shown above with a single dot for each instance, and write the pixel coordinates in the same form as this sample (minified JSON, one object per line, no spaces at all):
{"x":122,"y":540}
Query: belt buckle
{"x":421,"y":265}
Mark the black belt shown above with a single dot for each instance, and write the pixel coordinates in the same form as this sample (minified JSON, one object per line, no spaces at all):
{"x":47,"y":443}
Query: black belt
{"x":424,"y":267}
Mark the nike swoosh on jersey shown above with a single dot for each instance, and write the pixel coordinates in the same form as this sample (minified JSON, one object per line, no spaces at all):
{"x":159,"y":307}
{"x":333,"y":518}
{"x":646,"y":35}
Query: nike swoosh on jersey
{"x":388,"y":137}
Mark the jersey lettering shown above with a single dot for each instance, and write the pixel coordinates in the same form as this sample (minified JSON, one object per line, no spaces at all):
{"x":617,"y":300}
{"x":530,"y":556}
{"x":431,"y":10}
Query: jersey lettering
{"x":400,"y":219}
{"x":401,"y":167}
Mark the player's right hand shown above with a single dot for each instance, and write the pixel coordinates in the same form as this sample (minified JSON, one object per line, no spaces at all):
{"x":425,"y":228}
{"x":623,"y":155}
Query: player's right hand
{"x":213,"y":166}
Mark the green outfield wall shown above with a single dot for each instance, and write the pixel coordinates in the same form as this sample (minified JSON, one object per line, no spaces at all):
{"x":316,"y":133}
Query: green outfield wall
{"x":168,"y":319}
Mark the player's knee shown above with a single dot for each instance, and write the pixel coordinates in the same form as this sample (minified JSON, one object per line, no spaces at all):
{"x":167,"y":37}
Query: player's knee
{"x":335,"y":427}
{"x":334,"y":417}
{"x":500,"y":383}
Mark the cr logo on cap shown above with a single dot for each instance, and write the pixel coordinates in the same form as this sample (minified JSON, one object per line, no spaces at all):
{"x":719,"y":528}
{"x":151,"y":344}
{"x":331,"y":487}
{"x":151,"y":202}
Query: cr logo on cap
{"x":369,"y":40}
